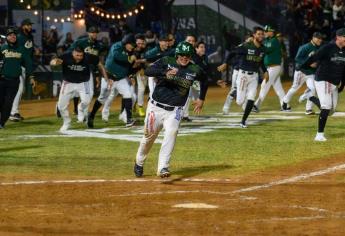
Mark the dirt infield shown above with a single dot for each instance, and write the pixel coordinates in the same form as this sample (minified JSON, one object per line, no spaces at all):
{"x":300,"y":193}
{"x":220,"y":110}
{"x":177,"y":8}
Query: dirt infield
{"x":309,"y":205}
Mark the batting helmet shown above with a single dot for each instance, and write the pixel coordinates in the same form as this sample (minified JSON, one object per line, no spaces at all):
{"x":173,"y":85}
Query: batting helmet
{"x":184,"y":48}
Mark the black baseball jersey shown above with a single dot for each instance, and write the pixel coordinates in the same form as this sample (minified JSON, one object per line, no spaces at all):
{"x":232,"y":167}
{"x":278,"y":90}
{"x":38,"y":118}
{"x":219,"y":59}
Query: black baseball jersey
{"x":201,"y":61}
{"x":250,"y":57}
{"x":174,"y":91}
{"x":74,"y":72}
{"x":331,"y":63}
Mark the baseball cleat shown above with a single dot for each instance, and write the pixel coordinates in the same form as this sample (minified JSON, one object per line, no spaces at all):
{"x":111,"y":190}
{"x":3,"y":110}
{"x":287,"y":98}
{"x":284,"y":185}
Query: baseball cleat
{"x":65,"y":127}
{"x":130,"y":123}
{"x":320,"y":137}
{"x":256,"y":109}
{"x":285,"y":107}
{"x":138,"y":170}
{"x":244,"y":126}
{"x":302,"y":98}
{"x":16,"y":117}
{"x":309,"y":112}
{"x":164,"y":173}
{"x":187,"y":119}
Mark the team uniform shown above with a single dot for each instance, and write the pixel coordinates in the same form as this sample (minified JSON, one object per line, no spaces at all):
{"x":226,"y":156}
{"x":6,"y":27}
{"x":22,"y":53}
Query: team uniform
{"x":272,"y":60}
{"x":76,"y":80}
{"x":118,"y":67}
{"x":141,"y":82}
{"x":329,"y":74}
{"x":13,"y":57}
{"x":250,"y":62}
{"x":165,"y":107}
{"x":302,"y":75}
{"x":27,"y":42}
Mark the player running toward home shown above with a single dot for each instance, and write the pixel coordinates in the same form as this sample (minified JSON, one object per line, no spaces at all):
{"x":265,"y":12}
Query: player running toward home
{"x":76,"y":69}
{"x":118,"y":66}
{"x":251,"y":61}
{"x":12,"y":57}
{"x":302,"y":75}
{"x":175,"y":76}
{"x":25,"y":39}
{"x":329,"y":75}
{"x":273,"y":59}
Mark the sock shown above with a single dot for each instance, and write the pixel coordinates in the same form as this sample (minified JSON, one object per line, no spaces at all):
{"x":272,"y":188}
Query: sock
{"x":95,"y":108}
{"x":323,"y":119}
{"x":127,"y":103}
{"x":316,"y":101}
{"x":249,"y":107}
{"x":75,"y":102}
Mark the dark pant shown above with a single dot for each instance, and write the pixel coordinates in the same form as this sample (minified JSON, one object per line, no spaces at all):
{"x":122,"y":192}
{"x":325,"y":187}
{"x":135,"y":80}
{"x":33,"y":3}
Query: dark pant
{"x":8,"y":91}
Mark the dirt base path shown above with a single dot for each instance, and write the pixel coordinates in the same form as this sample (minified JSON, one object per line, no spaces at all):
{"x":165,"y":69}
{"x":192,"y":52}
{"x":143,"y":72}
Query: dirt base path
{"x":307,"y":199}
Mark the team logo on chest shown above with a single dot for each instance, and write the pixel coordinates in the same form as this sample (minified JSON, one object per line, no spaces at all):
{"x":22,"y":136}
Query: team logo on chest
{"x":28,"y":44}
{"x":76,"y":67}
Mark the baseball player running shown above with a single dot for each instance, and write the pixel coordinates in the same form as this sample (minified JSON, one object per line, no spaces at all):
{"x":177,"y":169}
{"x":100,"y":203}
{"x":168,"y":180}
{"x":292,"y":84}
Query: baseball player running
{"x":329,"y":74}
{"x":175,"y":76}
{"x":76,"y":69}
{"x":118,"y":66}
{"x":304,"y":75}
{"x":251,"y":60}
{"x":273,"y":59}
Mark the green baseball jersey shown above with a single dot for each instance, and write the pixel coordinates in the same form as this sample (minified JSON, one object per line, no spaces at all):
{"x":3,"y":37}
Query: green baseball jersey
{"x":304,"y":52}
{"x":14,"y":57}
{"x":273,"y":51}
{"x":117,"y":63}
{"x":26,"y":41}
{"x":174,"y":90}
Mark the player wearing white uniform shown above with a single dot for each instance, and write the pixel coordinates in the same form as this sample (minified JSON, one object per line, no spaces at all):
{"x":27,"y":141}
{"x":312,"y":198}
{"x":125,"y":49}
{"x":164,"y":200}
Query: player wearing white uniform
{"x":175,"y":75}
{"x":329,"y":75}
{"x":76,"y":69}
{"x":304,"y":75}
{"x":118,"y":66}
{"x":250,"y":62}
{"x":273,"y":59}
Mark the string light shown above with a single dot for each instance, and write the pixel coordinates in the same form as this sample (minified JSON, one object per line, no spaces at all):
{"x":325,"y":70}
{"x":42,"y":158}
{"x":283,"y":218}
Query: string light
{"x":75,"y":15}
{"x":28,"y":7}
{"x":110,"y":15}
{"x":92,"y":9}
{"x":142,"y":7}
{"x":118,"y":17}
{"x":62,"y":20}
{"x":97,"y":12}
{"x":68,"y":18}
{"x":136,"y":11}
{"x":35,"y":13}
{"x":81,"y":12}
{"x":48,"y":18}
{"x":130,"y":13}
{"x":55,"y":20}
{"x":21,"y":1}
{"x":124,"y":15}
{"x":102,"y":14}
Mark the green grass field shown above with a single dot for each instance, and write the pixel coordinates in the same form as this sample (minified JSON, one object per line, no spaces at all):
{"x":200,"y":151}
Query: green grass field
{"x":222,"y":153}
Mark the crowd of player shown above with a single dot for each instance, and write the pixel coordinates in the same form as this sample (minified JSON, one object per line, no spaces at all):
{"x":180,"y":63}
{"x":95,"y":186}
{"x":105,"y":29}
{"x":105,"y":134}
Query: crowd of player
{"x":175,"y":74}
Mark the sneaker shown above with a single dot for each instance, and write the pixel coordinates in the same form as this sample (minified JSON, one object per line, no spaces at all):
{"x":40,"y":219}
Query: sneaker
{"x":256,"y":109}
{"x":65,"y":127}
{"x":320,"y":137}
{"x":304,"y":96}
{"x":244,"y":126}
{"x":164,"y":173}
{"x":90,"y":122}
{"x":285,"y":107}
{"x":309,"y":112}
{"x":138,"y":170}
{"x":130,"y":123}
{"x":141,"y":111}
{"x":187,"y":119}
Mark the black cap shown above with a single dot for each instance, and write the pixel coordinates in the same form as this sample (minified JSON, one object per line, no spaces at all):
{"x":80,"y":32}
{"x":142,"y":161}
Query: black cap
{"x":128,"y":39}
{"x":11,"y":30}
{"x":93,"y":29}
{"x":27,"y":21}
{"x":318,"y":35}
{"x":340,"y":32}
{"x":163,"y":37}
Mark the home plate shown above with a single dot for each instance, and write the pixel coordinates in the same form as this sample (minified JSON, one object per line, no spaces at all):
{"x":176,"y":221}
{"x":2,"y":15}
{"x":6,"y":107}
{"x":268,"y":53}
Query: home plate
{"x":195,"y":205}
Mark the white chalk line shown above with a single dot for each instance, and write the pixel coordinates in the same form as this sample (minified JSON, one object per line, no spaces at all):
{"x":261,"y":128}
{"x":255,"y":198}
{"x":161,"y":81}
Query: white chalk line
{"x":249,"y":189}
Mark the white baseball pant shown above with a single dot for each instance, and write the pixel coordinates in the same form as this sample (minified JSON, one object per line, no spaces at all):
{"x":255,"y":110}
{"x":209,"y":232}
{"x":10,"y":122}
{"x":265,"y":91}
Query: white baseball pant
{"x":246,"y":86}
{"x":299,"y":79}
{"x":16,"y":101}
{"x":156,"y":119}
{"x":56,"y":87}
{"x":274,"y":80}
{"x":67,"y":92}
{"x":328,"y":95}
{"x":142,"y":83}
{"x":194,"y":93}
{"x":152,"y":85}
{"x":229,"y":98}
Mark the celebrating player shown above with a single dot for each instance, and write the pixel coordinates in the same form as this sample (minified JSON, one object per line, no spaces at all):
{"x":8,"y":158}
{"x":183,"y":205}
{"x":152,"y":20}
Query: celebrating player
{"x":175,"y":76}
{"x":329,"y":74}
